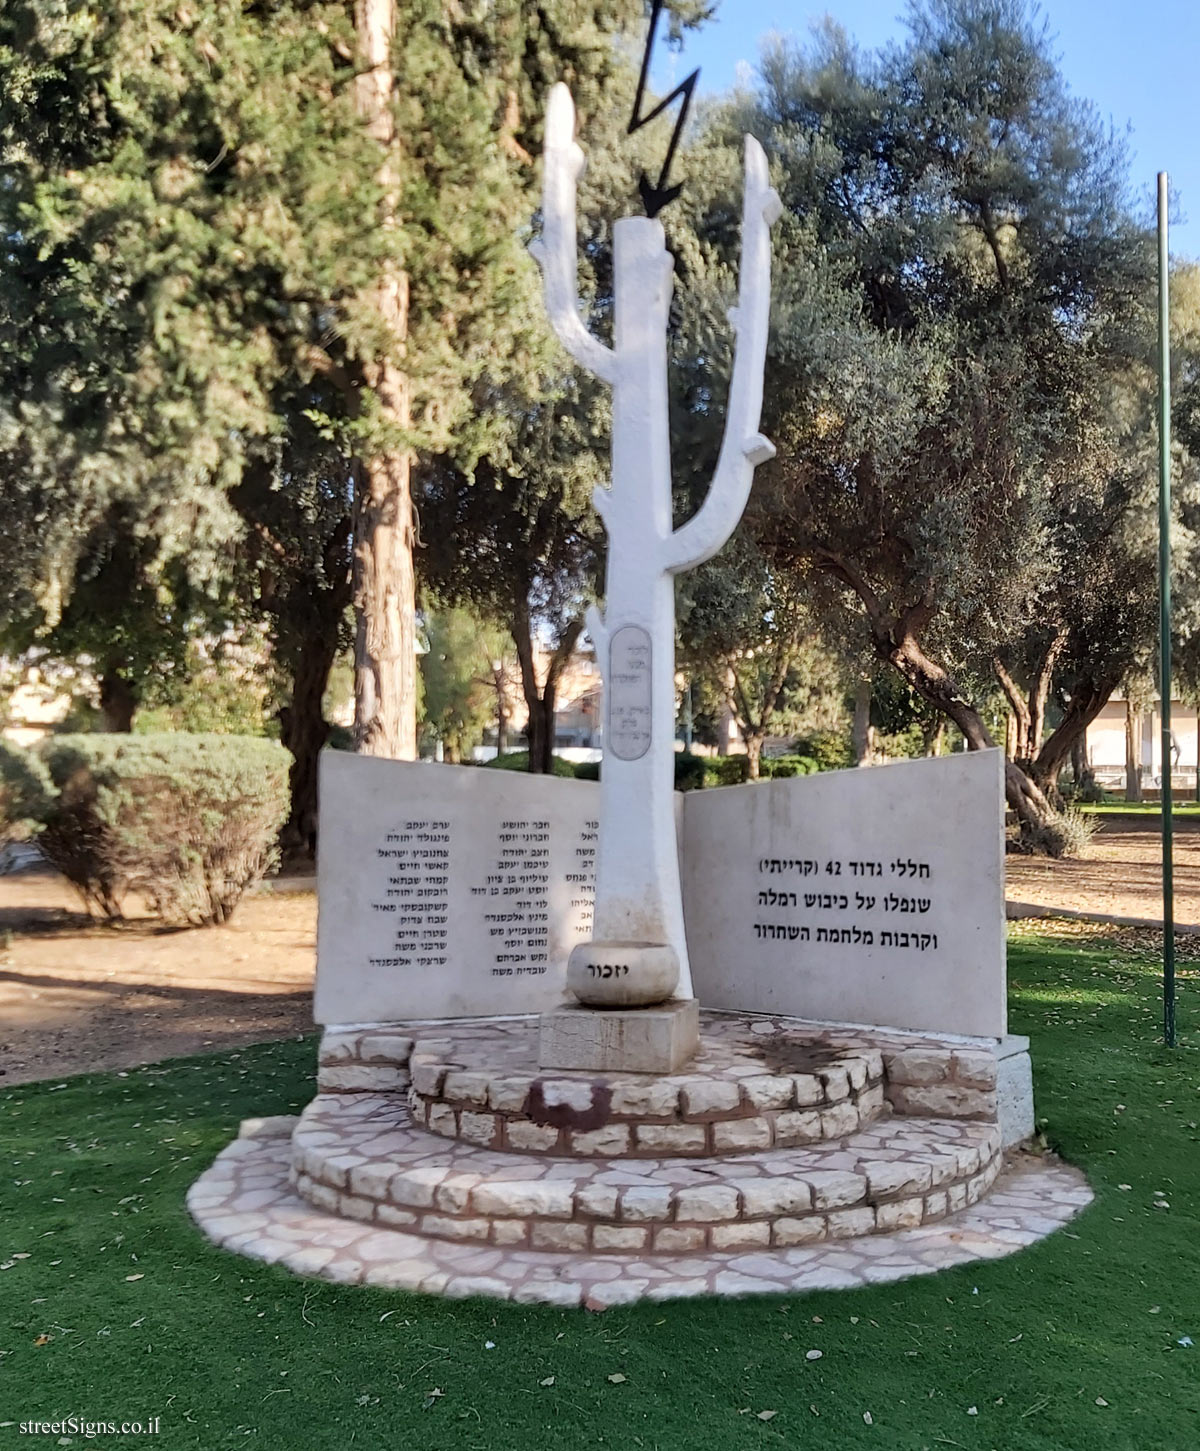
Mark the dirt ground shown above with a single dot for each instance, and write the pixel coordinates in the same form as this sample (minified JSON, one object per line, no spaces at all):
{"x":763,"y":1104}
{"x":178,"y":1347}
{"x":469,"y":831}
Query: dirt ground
{"x":76,"y":995}
{"x":1121,"y":876}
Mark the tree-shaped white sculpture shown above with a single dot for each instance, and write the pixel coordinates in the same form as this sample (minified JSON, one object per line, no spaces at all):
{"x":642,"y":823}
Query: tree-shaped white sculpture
{"x":638,"y":953}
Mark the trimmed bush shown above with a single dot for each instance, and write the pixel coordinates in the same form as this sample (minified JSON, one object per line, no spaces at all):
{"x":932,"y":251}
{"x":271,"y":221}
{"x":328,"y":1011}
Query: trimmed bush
{"x":187,"y":821}
{"x":777,"y":766}
{"x":519,"y":761}
{"x":726,"y":770}
{"x":587,"y":770}
{"x":689,"y":771}
{"x":25,"y":793}
{"x":831,"y":750}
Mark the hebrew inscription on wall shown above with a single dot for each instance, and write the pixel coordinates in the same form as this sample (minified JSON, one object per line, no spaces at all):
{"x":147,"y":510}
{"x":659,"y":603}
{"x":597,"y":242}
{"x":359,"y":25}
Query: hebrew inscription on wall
{"x":845,"y":915}
{"x":448,"y":891}
{"x":515,"y":895}
{"x":868,"y":896}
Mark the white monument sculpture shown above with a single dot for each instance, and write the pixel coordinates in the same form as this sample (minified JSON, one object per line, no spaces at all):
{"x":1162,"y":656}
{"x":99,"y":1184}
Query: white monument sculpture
{"x":856,"y":1080}
{"x":638,"y":952}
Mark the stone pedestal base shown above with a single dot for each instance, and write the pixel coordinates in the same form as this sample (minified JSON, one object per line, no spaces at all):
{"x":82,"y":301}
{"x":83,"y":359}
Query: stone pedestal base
{"x":1014,"y":1091}
{"x":659,"y":1039}
{"x":788,"y":1156}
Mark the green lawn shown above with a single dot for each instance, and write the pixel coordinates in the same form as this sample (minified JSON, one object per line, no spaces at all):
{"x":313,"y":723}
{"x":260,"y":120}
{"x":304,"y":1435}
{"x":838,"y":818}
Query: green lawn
{"x":121,"y":1311}
{"x":1186,"y":806}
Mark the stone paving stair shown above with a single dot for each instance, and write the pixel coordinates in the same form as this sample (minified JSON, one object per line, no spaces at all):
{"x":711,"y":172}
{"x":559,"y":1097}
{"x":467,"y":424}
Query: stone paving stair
{"x":243,"y":1202}
{"x":477,"y":1080}
{"x":360,"y":1156}
{"x":439,"y":1156}
{"x":624,"y":1115}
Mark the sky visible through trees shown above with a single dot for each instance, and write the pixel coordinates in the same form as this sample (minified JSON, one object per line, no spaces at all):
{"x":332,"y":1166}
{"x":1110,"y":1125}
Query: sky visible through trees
{"x":1135,"y":62}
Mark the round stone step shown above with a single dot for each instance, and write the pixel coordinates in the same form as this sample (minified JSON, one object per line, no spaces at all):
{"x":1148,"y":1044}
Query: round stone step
{"x":242,"y":1202}
{"x":360,"y":1157}
{"x":745,"y":1091}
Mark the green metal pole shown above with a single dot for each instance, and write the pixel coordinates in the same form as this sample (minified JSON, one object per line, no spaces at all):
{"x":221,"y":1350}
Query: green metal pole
{"x":1164,"y":624}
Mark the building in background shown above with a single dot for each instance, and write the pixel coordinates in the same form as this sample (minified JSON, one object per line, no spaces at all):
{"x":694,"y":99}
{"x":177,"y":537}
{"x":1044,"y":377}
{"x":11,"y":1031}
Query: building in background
{"x":1123,"y":736}
{"x":37,"y":698}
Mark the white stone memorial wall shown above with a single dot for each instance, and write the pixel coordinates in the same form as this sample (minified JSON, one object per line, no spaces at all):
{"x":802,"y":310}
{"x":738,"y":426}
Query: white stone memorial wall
{"x":871,"y":897}
{"x":863,"y":896}
{"x":448,"y":891}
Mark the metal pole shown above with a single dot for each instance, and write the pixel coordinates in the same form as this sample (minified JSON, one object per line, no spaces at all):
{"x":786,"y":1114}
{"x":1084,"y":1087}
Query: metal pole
{"x":1164,"y":624}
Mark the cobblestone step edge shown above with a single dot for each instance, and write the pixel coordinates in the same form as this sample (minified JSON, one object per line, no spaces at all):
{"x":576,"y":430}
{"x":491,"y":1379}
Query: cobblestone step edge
{"x":732,"y":1213}
{"x":920,"y":1081}
{"x":560,"y":1118}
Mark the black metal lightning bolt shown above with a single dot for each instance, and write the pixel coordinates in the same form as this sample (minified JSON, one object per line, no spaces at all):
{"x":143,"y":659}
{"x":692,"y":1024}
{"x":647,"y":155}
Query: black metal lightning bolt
{"x":656,"y":195}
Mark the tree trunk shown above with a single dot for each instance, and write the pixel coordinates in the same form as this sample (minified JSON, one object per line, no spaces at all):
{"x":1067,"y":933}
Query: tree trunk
{"x":1010,"y":736}
{"x":385,"y":660}
{"x":1040,"y":693}
{"x":535,"y":731}
{"x":1088,"y":699}
{"x":1018,"y":746}
{"x":304,"y":731}
{"x":935,"y":685}
{"x":541,"y":735}
{"x":541,"y":700}
{"x":895,"y":640}
{"x":501,"y":711}
{"x":118,"y":703}
{"x":754,"y":722}
{"x":1133,"y":753}
{"x":860,"y":733}
{"x":933,"y":737}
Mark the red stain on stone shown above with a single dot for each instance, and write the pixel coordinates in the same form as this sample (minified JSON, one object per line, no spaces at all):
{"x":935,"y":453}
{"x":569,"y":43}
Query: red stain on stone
{"x":563,"y":1115}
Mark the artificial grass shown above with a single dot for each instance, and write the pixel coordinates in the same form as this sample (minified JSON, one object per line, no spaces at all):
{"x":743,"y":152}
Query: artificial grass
{"x":122,"y":1310}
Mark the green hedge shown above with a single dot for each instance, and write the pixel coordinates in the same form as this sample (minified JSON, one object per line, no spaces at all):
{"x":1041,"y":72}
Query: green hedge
{"x":831,"y":750}
{"x":777,"y":766}
{"x":25,"y":793}
{"x":187,"y":821}
{"x":693,"y":773}
{"x":519,"y":761}
{"x":689,"y":771}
